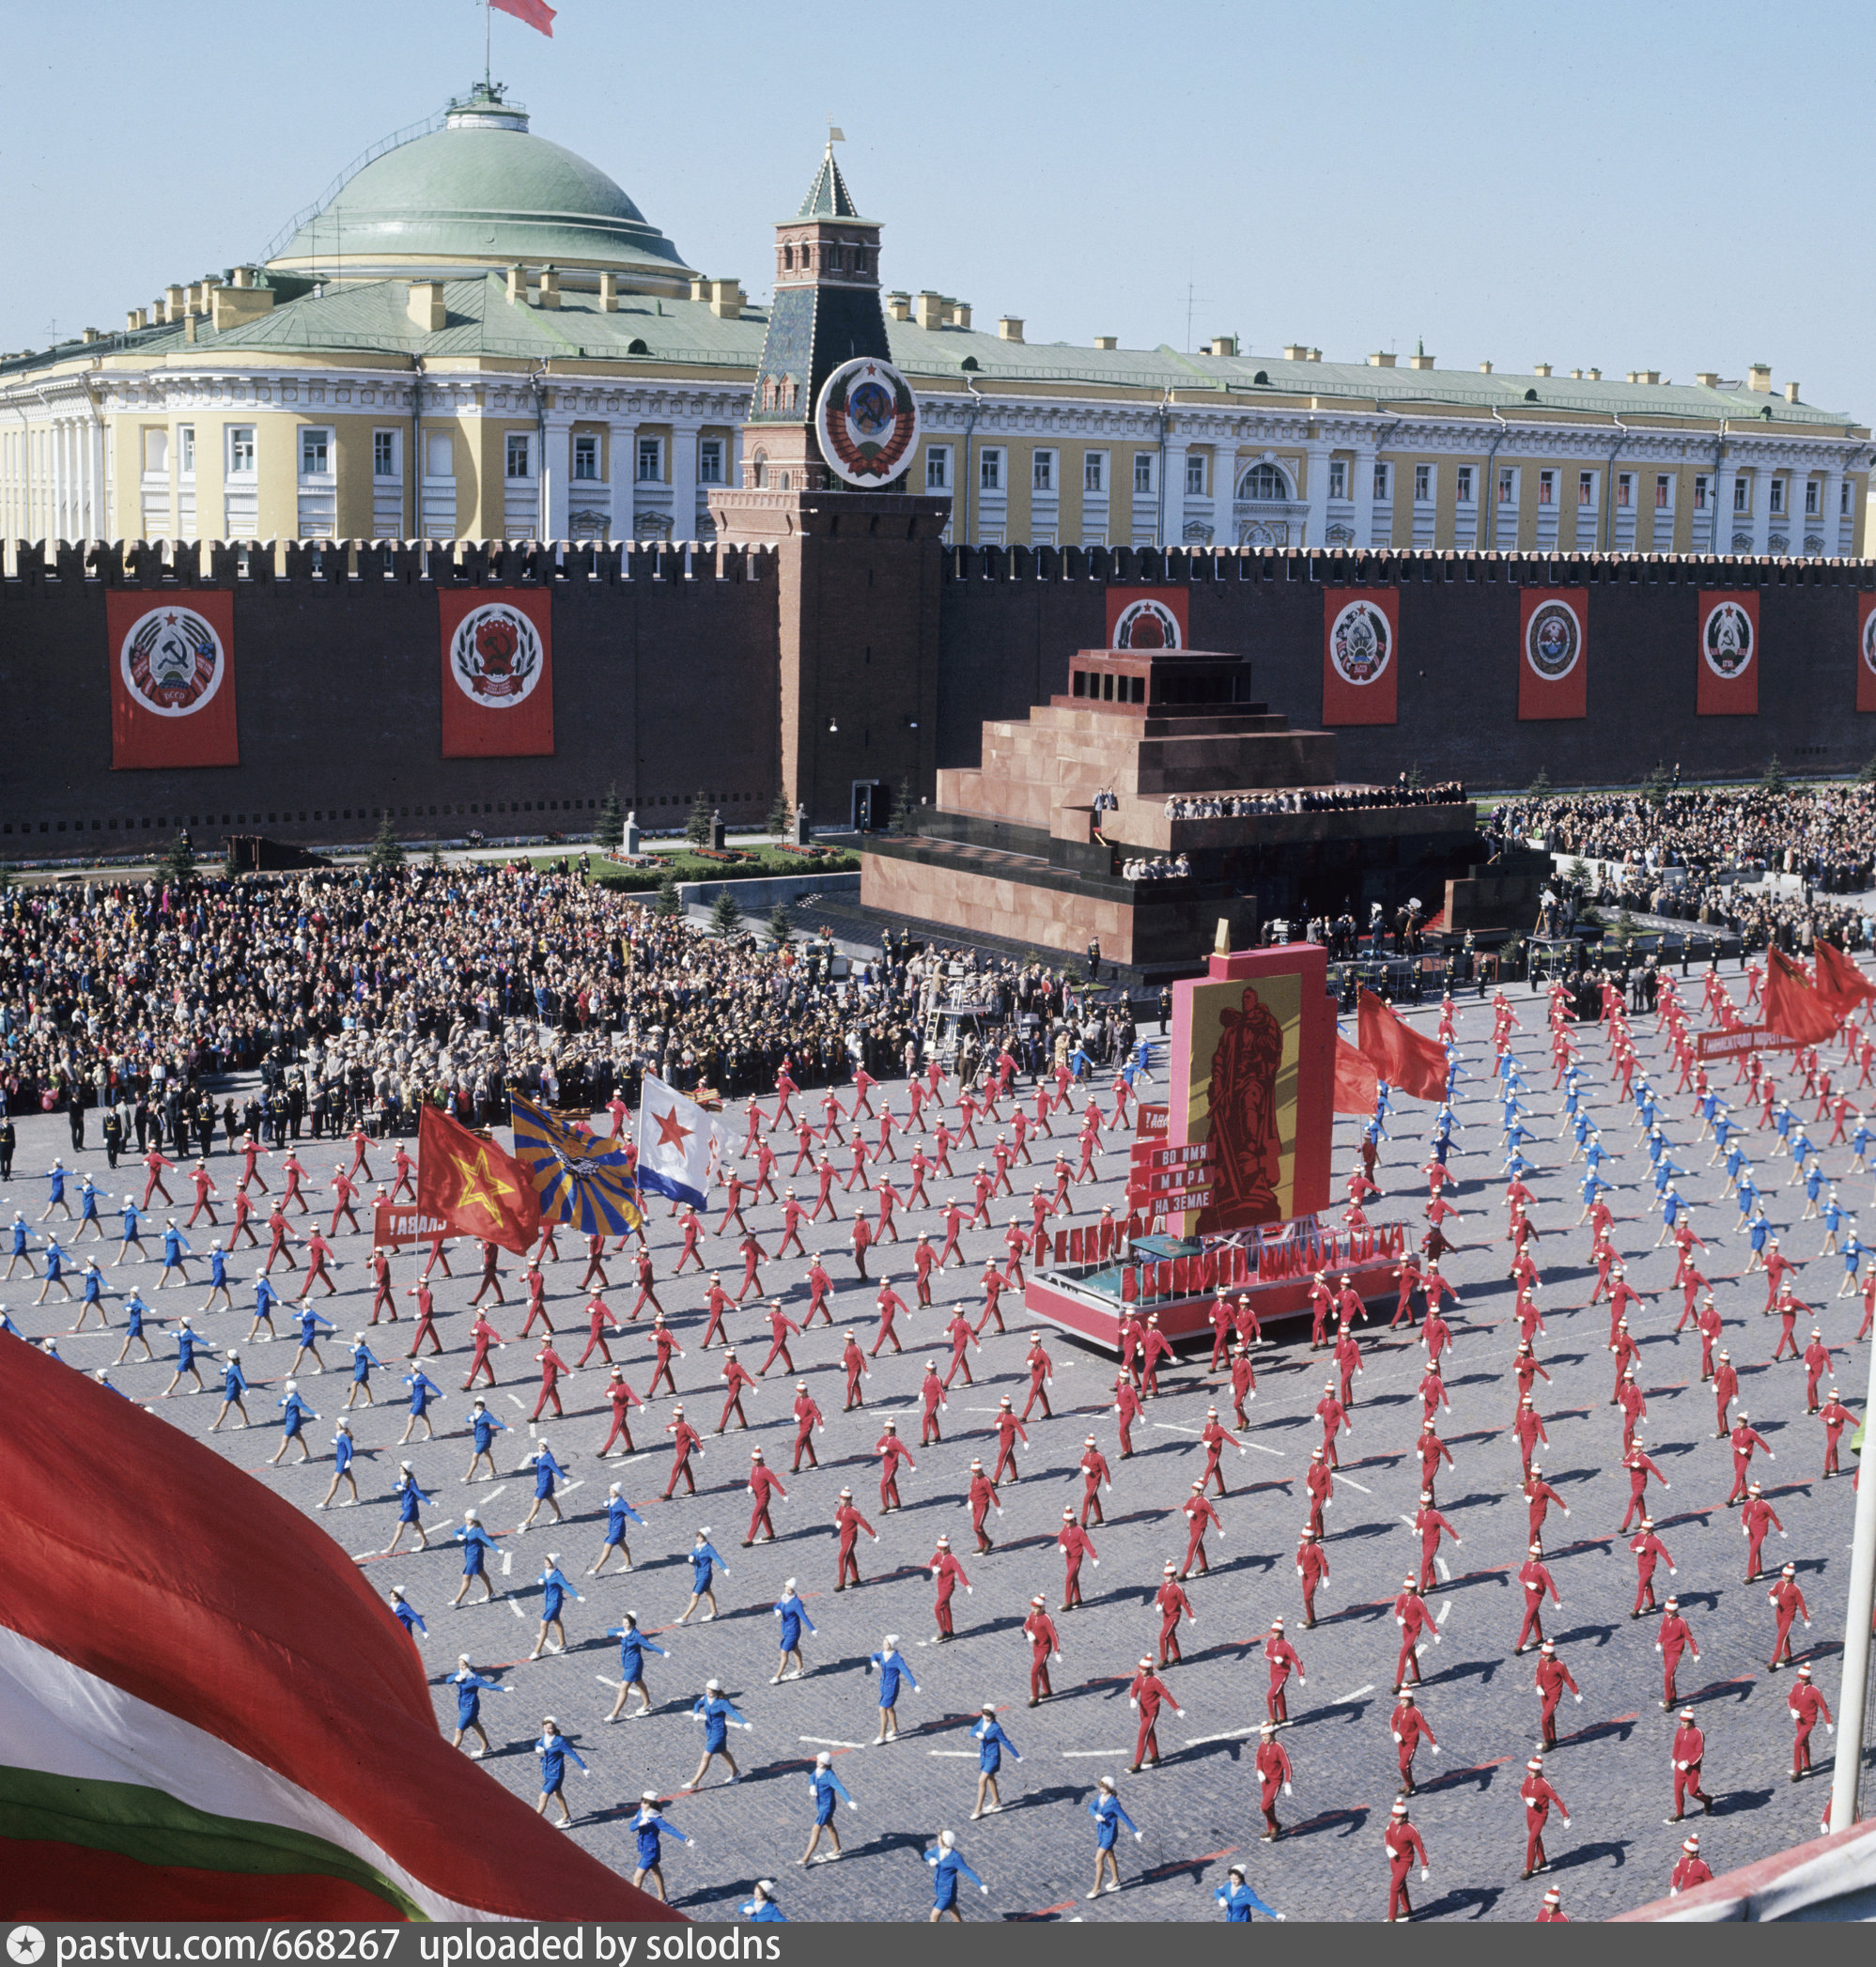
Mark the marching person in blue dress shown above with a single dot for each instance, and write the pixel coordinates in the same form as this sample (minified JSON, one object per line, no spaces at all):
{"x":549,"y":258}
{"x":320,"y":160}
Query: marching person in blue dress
{"x":133,"y":1233}
{"x":135,"y":1311}
{"x":649,"y":1827}
{"x":234,"y":1390}
{"x":423,"y":1391}
{"x":189,"y":1347}
{"x":1239,"y":1901}
{"x":718,"y":1717}
{"x":410,"y":1500}
{"x":553,"y":1749}
{"x":618,"y":1513}
{"x":554,"y":1588}
{"x":484,"y":1426}
{"x":762,"y":1910}
{"x":294,"y":1416}
{"x":890,"y":1664}
{"x":705,"y":1561}
{"x":1105,"y":1807}
{"x":476,"y":1544}
{"x":470,"y":1687}
{"x":176,"y":1251}
{"x":991,"y":1743}
{"x":93,"y":1297}
{"x":343,"y":1450}
{"x":55,"y":1271}
{"x":946,"y":1862}
{"x":828,"y":1793}
{"x":265,"y":1298}
{"x":363,"y":1361}
{"x":633,"y":1647}
{"x":793,"y":1616}
{"x":547,"y":1472}
{"x":407,"y":1616}
{"x":310,"y":1322}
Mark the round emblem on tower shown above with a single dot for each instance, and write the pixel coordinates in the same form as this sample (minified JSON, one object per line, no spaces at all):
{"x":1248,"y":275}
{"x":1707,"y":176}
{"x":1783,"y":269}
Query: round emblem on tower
{"x":173,"y":661}
{"x":1361,"y":642}
{"x":1553,"y":641}
{"x":1726,"y":640}
{"x":495,"y":656}
{"x":867,"y":420}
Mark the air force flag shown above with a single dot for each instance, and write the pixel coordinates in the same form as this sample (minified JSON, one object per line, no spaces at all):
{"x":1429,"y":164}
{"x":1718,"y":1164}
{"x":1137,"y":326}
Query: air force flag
{"x":677,"y":1144}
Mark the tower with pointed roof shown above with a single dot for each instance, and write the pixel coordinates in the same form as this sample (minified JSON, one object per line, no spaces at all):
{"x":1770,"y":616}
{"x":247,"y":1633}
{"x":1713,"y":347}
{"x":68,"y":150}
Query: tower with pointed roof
{"x":826,"y":311}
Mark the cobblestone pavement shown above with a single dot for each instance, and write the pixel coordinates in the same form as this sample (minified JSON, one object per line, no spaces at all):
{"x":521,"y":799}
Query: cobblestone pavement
{"x":1036,"y":1854}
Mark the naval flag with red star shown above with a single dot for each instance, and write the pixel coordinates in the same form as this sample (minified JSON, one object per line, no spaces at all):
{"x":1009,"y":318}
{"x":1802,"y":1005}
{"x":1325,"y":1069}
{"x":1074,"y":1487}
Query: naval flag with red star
{"x":676,"y":1139}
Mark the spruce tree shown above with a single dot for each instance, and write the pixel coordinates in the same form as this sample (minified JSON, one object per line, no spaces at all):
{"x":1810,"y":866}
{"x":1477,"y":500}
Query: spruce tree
{"x":387,"y":850}
{"x":611,"y":828}
{"x":781,"y":924}
{"x":1773,"y":780}
{"x":727,"y":916}
{"x":781,"y":820}
{"x":697,"y":828}
{"x":178,"y":865}
{"x":669,"y":901}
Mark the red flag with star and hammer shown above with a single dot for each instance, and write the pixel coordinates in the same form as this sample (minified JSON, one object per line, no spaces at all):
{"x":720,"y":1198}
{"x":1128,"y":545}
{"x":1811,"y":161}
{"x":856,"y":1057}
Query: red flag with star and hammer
{"x":473,"y":1187}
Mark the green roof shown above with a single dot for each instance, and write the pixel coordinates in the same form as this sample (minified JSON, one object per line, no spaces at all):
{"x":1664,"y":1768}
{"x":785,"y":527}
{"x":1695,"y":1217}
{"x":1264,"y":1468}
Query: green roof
{"x":828,"y":197}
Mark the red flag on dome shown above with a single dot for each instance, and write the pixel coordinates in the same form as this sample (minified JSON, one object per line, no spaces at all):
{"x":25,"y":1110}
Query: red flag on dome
{"x":1792,"y":1008}
{"x":535,"y":12}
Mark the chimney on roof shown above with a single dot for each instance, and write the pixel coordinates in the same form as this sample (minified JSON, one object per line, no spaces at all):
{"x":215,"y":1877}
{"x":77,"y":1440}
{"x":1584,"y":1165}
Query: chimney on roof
{"x":137,"y":318}
{"x":93,"y":335}
{"x":1484,"y":368}
{"x":1759,"y":378}
{"x":928,"y":309}
{"x":1650,"y":376}
{"x":1315,"y":354}
{"x":518,"y":287}
{"x":1541,"y":369}
{"x":1381,"y":359}
{"x":960,"y":314}
{"x":243,"y":276}
{"x":1106,"y":341}
{"x":1791,"y":390}
{"x":1707,"y":378}
{"x":1419,"y":359}
{"x":899,"y":307}
{"x":425,"y":305}
{"x":549,"y":286}
{"x":1224,"y":345}
{"x":726,"y":298}
{"x":172,"y":301}
{"x":1010,"y":328}
{"x":1594,"y":375}
{"x":1296,"y":352}
{"x":609,"y":293}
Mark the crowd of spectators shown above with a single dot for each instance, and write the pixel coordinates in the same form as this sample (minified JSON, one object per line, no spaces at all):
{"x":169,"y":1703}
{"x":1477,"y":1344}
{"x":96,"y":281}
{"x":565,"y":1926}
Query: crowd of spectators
{"x":1341,"y":799}
{"x":1175,"y":867}
{"x":359,"y":996}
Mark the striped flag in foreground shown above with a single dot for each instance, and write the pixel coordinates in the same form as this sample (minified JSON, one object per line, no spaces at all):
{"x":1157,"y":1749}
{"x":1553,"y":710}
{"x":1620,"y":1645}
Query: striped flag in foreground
{"x":207,"y":1714}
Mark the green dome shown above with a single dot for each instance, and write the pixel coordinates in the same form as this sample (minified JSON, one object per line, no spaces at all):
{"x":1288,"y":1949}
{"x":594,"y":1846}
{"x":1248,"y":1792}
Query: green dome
{"x":481,"y":191}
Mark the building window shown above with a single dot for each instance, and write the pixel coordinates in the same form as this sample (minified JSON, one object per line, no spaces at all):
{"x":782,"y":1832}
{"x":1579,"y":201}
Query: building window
{"x":1265,"y":481}
{"x":315,"y":453}
{"x":1195,"y":477}
{"x":1843,"y":500}
{"x":710,"y":460}
{"x":1586,"y":488}
{"x":1664,"y":492}
{"x":241,"y":450}
{"x":185,"y":449}
{"x":586,"y":457}
{"x":1507,"y":488}
{"x":1778,"y":495}
{"x":1142,"y":473}
{"x":1381,"y":471}
{"x":1095,"y":471}
{"x":1811,"y":490}
{"x":1042,"y":471}
{"x":1422,"y":483}
{"x":156,"y":450}
{"x":990,"y":469}
{"x":1462,"y":484}
{"x":1741,"y":494}
{"x":384,"y":454}
{"x":442,"y":456}
{"x":1700,"y":493}
{"x":1625,"y":488}
{"x":1337,"y":478}
{"x":518,"y":455}
{"x":651,"y":461}
{"x":937,"y":468}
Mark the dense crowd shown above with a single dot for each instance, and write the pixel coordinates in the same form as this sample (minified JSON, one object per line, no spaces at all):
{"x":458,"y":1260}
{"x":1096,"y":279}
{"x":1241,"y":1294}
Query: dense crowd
{"x":1345,"y":798}
{"x":1713,"y":858}
{"x":362,"y":997}
{"x":1156,"y":868}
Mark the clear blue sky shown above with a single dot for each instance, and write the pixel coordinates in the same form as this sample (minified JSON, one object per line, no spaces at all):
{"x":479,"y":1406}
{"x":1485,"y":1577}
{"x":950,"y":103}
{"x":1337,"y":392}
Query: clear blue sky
{"x":1663,"y":185}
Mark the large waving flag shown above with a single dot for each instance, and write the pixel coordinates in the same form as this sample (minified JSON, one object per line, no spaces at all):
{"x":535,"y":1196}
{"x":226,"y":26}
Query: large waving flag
{"x":1409,"y":1060}
{"x":474,"y":1185}
{"x":1841,"y":983}
{"x":578,"y":1178}
{"x":207,"y":1714}
{"x":537,"y":13}
{"x":1792,"y":1008}
{"x":676,"y":1140}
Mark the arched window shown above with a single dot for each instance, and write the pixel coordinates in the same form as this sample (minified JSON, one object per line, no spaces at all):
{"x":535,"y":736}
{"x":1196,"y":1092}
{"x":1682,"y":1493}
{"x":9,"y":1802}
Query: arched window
{"x":1265,"y":481}
{"x":788,"y":259}
{"x":758,"y":468}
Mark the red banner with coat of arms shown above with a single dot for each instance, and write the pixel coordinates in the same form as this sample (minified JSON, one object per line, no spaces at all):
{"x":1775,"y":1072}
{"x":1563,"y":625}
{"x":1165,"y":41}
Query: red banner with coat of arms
{"x":1726,"y":662}
{"x":1553,"y":655}
{"x":497,"y":673}
{"x":1866,"y":652}
{"x":172,"y":678}
{"x":1147,"y":618}
{"x":1361,"y":635}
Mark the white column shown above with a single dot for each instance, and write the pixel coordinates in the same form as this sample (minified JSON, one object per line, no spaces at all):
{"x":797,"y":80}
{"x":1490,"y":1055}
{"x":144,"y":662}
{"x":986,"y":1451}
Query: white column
{"x":1362,"y":493}
{"x":1224,"y":492}
{"x":100,"y":481}
{"x":683,"y":481}
{"x":1830,"y":496}
{"x":622,"y":445}
{"x":1172,"y":493}
{"x":1316,"y":490}
{"x":555,"y":518}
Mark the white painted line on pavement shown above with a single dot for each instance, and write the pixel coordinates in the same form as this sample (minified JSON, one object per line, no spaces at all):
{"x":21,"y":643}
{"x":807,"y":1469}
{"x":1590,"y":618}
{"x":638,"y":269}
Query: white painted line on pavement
{"x":514,"y":1606}
{"x":1229,"y":1735}
{"x":1445,"y":1574}
{"x":1175,"y":1428}
{"x":605,"y":1681}
{"x":1353,"y":1484}
{"x":1355,"y":1696}
{"x":830,"y":1742}
{"x":1263,"y":1450}
{"x":960,"y":1755}
{"x":516,"y":1402}
{"x":1445,"y":1606}
{"x":1082,"y":1755}
{"x":507,"y":1562}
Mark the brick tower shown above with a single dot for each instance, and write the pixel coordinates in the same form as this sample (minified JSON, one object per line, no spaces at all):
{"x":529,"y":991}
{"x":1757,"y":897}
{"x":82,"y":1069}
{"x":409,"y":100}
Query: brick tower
{"x":858,"y":570}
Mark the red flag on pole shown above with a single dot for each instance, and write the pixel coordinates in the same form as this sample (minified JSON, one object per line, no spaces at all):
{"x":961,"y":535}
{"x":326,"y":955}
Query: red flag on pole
{"x":1840,"y":983}
{"x":1405,"y":1057}
{"x":1792,"y":1008}
{"x":1356,"y":1081}
{"x":473,"y":1187}
{"x":535,"y":12}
